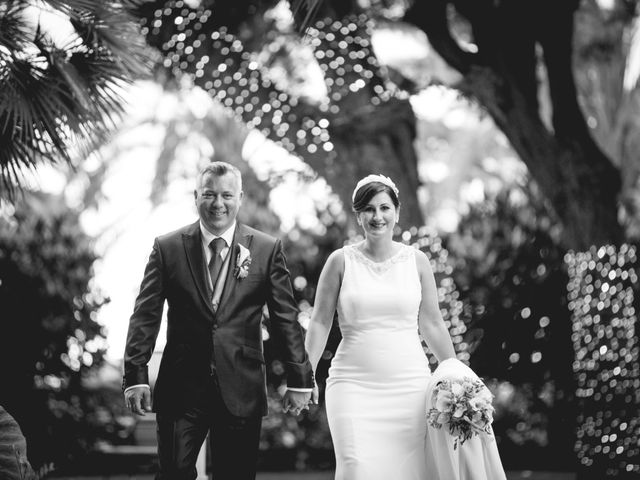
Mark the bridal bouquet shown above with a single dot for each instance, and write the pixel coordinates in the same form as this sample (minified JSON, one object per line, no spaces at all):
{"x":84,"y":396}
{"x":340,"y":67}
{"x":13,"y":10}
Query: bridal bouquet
{"x":463,"y":406}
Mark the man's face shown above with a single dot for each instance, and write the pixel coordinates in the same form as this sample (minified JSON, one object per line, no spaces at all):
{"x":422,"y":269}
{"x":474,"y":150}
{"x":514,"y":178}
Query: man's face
{"x":218,"y":200}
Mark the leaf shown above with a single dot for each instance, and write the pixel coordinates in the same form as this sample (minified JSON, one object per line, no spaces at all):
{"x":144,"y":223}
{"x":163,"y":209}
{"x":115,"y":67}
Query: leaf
{"x":13,"y":29}
{"x":304,"y":12}
{"x":73,"y":80}
{"x":13,"y":450}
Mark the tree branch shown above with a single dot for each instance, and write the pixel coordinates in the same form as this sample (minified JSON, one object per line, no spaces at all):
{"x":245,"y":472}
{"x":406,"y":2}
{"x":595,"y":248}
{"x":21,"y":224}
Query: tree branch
{"x":431,"y":17}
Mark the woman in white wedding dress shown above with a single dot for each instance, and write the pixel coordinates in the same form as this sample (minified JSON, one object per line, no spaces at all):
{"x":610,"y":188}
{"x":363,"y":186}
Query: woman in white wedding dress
{"x":376,"y":392}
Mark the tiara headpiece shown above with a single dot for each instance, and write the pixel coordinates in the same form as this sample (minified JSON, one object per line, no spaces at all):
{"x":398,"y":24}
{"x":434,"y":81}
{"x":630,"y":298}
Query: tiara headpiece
{"x":375,"y":178}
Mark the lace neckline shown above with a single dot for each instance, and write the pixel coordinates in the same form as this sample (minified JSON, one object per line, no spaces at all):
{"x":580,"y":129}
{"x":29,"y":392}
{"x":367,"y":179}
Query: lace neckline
{"x":380,"y":267}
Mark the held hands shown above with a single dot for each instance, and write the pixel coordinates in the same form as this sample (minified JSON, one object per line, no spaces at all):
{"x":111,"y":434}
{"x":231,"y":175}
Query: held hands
{"x":295,"y":402}
{"x":138,"y":400}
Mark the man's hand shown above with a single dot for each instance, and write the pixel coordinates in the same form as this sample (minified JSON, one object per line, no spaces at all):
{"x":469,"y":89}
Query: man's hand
{"x":295,"y":402}
{"x":138,"y":400}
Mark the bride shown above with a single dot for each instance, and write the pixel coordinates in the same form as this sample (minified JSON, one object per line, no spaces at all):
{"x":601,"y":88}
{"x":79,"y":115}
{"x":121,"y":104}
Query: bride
{"x":376,"y":393}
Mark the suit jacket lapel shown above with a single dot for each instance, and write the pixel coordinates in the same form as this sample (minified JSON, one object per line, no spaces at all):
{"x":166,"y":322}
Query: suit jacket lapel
{"x":242,"y":237}
{"x":193,"y":248}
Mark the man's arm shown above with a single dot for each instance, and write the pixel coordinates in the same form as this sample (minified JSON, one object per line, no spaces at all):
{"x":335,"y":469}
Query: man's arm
{"x":144,"y":326}
{"x":284,"y":324}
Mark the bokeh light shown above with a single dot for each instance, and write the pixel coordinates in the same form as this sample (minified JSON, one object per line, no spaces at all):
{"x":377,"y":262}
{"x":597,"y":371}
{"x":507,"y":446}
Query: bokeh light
{"x":451,"y":306}
{"x":341,"y":58}
{"x":602,"y":302}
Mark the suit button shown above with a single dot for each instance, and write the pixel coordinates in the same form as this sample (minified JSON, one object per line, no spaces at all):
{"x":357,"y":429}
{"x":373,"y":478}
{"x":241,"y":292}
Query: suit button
{"x":215,"y":327}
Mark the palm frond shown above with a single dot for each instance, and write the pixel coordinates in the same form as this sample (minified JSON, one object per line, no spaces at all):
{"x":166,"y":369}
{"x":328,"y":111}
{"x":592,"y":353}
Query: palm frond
{"x":115,"y":30}
{"x":35,"y":103}
{"x":70,"y":7}
{"x":304,"y":12}
{"x":57,"y":101}
{"x":13,"y":28}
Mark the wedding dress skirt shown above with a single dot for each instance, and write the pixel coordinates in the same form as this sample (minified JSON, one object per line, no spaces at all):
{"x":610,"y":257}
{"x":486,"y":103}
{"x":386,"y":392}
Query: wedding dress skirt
{"x":376,"y":390}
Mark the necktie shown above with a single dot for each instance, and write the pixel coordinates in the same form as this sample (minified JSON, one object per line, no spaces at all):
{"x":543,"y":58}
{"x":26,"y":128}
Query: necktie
{"x":215,"y":264}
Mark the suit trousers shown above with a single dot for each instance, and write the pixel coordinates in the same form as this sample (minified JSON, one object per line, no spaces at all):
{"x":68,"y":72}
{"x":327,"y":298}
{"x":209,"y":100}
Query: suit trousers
{"x":234,"y":440}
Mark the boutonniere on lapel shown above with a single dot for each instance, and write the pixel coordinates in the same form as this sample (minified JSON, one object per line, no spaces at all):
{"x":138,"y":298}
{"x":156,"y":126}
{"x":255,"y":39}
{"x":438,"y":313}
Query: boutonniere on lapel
{"x":243,"y":262}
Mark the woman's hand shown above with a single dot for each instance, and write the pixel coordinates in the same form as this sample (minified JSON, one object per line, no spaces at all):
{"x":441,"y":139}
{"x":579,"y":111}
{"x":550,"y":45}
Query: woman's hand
{"x":295,"y":402}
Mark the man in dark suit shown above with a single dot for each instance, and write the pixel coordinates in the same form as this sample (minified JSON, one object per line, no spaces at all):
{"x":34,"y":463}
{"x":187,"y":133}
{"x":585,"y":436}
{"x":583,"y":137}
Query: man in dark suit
{"x":216,"y":275}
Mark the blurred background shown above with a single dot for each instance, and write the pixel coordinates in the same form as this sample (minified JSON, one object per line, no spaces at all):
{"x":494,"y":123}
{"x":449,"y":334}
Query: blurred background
{"x":511,"y":128}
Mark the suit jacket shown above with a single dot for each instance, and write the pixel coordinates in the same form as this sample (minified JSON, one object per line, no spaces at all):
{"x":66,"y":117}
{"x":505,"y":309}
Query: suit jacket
{"x":231,"y":336}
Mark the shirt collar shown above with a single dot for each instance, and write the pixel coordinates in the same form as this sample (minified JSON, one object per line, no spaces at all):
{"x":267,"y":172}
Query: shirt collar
{"x":208,"y":237}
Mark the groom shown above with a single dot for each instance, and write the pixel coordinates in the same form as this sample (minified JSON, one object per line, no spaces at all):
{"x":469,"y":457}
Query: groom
{"x":216,"y":275}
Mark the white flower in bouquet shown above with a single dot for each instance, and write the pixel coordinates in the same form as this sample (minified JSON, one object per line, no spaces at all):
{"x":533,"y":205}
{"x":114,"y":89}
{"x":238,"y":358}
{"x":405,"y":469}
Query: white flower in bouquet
{"x":463,"y":406}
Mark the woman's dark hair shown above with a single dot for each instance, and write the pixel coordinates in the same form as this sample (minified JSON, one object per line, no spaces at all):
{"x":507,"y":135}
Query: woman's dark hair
{"x":370,"y":190}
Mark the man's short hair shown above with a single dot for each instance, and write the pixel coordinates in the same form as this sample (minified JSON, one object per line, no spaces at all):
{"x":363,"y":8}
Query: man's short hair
{"x":219,"y":169}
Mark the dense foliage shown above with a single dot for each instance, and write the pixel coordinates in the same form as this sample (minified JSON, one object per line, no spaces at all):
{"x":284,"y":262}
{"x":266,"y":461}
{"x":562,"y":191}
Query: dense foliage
{"x":509,"y":268}
{"x":49,"y":339}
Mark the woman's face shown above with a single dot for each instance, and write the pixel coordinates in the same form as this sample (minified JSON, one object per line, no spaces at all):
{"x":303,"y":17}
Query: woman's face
{"x":379,"y":216}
